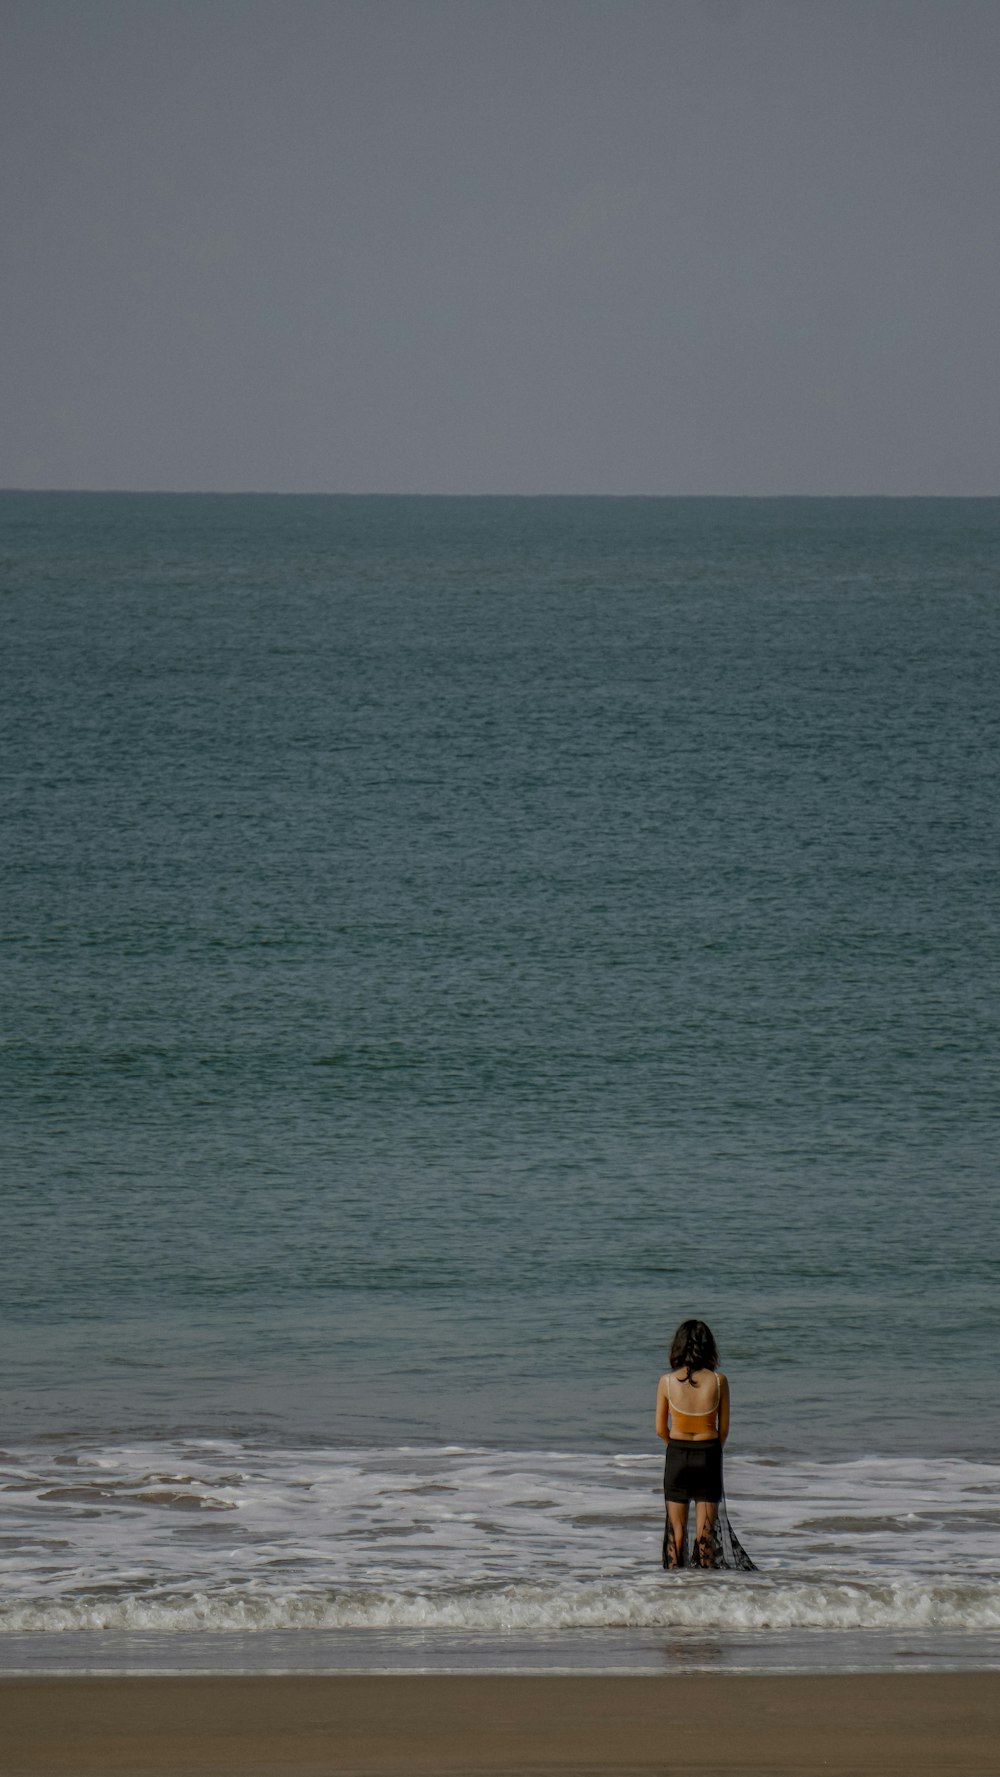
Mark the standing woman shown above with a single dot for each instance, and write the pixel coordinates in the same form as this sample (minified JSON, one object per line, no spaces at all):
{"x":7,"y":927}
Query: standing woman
{"x":692,"y":1418}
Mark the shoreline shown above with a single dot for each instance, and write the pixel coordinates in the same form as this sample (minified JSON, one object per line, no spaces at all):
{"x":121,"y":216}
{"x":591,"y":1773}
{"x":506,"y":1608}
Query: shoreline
{"x":368,"y":1725}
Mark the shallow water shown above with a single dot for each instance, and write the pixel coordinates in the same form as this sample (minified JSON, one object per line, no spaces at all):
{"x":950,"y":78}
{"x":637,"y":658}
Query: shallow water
{"x":212,"y":1536}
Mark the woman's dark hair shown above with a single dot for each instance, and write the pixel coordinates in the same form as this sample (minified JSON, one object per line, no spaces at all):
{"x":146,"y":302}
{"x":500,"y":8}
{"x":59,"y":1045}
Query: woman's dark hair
{"x":693,"y":1348}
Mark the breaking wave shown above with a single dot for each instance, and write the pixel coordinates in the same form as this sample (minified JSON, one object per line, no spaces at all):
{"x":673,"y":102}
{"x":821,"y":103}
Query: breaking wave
{"x":737,"y":1604}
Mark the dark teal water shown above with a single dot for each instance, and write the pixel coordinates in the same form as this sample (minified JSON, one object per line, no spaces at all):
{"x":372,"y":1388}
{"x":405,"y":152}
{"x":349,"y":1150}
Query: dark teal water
{"x":445,"y":942}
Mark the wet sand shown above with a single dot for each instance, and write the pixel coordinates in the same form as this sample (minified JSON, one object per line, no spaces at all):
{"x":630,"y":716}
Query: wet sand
{"x":913,"y":1724}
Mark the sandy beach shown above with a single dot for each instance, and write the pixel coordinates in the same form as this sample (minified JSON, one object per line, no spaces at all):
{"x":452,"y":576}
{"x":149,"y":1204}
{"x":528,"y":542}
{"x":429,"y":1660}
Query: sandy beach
{"x":947,"y":1725}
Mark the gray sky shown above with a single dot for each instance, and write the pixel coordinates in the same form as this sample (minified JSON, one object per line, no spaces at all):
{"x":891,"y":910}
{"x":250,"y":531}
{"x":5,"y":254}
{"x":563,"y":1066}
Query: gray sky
{"x":591,"y":246}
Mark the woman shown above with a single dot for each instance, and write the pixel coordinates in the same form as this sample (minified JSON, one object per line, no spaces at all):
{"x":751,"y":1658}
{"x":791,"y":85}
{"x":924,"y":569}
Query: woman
{"x":692,"y":1418}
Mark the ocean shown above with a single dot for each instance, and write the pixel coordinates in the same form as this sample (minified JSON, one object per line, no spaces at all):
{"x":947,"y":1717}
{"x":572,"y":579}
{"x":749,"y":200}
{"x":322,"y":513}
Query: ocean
{"x":445,"y":943}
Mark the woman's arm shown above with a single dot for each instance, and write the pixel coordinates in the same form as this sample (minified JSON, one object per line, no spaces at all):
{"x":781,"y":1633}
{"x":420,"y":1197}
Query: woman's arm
{"x":723,"y":1409}
{"x":662,"y":1409}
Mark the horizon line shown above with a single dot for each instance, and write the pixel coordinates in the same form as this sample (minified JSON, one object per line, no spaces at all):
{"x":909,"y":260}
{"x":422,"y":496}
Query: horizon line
{"x":440,"y":494}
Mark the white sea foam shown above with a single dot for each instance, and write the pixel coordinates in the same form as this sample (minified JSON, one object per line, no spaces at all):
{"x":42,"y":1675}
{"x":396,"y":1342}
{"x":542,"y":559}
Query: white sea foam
{"x":747,"y":1606}
{"x":198,"y":1536}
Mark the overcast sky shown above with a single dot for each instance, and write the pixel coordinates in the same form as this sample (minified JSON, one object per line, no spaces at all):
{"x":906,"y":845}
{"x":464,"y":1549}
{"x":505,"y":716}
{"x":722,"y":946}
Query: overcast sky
{"x":591,"y":246}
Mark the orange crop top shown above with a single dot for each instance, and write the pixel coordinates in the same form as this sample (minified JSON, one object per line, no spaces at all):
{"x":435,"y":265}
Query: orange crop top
{"x":692,"y":1425}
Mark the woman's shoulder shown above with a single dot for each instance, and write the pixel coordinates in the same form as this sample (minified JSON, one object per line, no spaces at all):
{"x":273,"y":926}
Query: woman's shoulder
{"x":706,"y":1378}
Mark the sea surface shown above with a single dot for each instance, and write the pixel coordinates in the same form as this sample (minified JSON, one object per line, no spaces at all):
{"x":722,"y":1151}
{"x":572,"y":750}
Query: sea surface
{"x":446,"y":942}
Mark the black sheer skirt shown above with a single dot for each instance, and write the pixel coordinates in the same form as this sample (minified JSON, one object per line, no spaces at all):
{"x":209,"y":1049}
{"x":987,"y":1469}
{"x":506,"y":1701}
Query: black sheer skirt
{"x":693,"y":1472}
